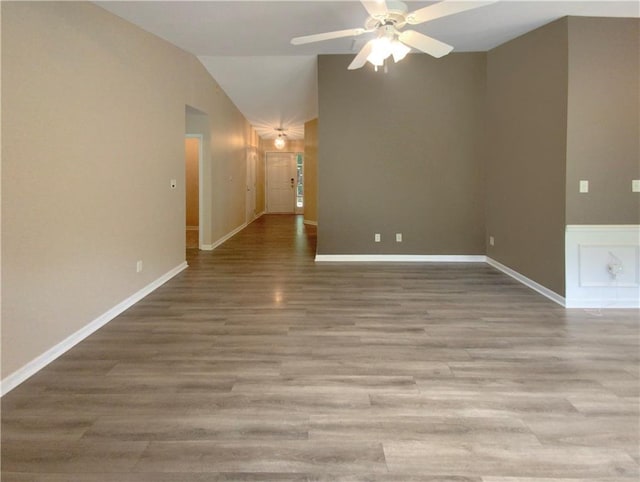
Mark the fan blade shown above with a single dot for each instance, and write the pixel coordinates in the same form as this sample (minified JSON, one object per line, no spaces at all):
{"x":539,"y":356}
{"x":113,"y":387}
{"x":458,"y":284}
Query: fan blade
{"x":375,"y":8}
{"x":307,"y":39}
{"x":361,"y":58}
{"x":443,"y":9}
{"x":426,"y":44}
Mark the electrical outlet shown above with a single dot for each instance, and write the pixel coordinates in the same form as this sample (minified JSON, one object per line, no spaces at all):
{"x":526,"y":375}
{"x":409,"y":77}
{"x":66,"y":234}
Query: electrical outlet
{"x":376,"y":237}
{"x":398,"y":237}
{"x":635,"y":185}
{"x":492,"y":241}
{"x":139,"y":266}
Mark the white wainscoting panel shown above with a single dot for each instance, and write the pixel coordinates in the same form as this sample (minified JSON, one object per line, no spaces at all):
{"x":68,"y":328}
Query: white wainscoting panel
{"x":589,"y":250}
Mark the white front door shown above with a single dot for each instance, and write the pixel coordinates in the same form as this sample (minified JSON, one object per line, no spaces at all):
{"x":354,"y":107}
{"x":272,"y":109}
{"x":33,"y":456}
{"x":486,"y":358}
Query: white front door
{"x":281,"y":182}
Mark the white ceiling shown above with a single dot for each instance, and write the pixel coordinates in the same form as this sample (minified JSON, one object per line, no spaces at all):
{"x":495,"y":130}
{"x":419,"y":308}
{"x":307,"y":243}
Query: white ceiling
{"x":245,"y":44}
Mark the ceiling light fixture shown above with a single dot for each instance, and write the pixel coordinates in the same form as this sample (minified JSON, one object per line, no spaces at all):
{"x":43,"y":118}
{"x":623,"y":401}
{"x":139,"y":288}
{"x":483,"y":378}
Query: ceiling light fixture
{"x":385,"y":45}
{"x":280,"y":141}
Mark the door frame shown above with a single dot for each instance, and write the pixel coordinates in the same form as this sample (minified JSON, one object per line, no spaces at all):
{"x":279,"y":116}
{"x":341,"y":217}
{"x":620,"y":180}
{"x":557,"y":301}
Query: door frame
{"x":200,"y":138}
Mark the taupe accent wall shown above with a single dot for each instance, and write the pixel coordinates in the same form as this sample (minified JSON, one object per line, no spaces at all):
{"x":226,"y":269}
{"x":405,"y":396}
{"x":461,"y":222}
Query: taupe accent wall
{"x":526,"y":150}
{"x":311,"y":171}
{"x":93,"y":112}
{"x":603,"y":131}
{"x":401,"y":153}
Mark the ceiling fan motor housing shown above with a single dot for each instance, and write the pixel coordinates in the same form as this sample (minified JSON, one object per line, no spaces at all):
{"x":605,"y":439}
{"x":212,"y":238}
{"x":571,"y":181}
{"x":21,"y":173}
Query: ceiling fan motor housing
{"x":396,"y":15}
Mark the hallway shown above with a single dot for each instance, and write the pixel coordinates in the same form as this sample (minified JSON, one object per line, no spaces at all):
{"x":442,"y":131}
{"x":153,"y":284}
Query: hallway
{"x":258,"y":364}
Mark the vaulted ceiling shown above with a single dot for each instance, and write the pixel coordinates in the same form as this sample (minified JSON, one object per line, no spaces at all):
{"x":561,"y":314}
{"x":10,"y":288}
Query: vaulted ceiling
{"x":245,"y":45}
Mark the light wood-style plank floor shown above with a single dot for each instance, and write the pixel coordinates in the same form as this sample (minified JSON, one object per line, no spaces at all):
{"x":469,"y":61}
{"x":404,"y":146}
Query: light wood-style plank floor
{"x":257,"y":364}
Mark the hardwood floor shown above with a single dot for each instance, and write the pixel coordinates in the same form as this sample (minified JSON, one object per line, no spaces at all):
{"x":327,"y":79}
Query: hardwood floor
{"x":256,"y":364}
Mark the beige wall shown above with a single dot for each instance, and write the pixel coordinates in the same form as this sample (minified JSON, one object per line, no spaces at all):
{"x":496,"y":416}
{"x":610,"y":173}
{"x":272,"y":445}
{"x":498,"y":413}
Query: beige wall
{"x":311,"y":171}
{"x":603,"y":129}
{"x":192,"y":155}
{"x":526,"y":148}
{"x":401,"y":153}
{"x":93,"y":128}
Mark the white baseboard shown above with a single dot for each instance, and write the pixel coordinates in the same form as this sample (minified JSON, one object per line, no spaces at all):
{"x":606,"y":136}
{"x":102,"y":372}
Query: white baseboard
{"x":399,"y":258}
{"x":603,"y":303}
{"x":311,"y":223}
{"x":38,"y":363}
{"x":223,"y":239}
{"x":552,"y":295}
{"x":402,"y":258}
{"x":599,"y":228}
{"x":226,"y":237}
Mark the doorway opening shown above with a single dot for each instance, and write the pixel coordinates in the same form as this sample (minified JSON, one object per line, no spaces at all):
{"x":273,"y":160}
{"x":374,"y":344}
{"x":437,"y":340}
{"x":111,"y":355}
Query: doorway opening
{"x":193,"y":163}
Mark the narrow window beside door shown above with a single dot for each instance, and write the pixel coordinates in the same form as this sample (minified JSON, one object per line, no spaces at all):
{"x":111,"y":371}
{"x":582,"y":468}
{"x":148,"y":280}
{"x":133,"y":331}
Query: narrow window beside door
{"x":300,"y":186}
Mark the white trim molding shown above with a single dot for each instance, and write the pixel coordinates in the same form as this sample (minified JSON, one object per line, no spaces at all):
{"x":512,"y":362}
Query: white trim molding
{"x":404,"y":258}
{"x":589,"y":250}
{"x":544,"y":291}
{"x":38,"y":363}
{"x":599,"y":228}
{"x":398,"y":258}
{"x":223,"y":239}
{"x":226,"y":237}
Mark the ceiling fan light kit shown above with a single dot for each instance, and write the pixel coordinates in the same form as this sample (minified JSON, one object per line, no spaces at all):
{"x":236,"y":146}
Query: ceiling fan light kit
{"x":386,"y":19}
{"x":385,"y":45}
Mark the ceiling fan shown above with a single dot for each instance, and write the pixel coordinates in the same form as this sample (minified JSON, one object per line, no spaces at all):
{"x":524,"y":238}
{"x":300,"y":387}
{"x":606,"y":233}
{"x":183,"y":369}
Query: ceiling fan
{"x":386,"y":19}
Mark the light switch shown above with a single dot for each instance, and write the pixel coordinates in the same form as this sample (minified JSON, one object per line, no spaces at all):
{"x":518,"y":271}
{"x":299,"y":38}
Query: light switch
{"x":584,"y":186}
{"x":635,"y":185}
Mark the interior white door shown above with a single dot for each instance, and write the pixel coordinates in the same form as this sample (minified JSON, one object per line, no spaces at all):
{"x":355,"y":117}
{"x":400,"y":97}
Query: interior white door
{"x":251,"y":184}
{"x":281,"y":180}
